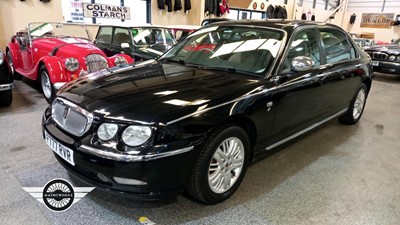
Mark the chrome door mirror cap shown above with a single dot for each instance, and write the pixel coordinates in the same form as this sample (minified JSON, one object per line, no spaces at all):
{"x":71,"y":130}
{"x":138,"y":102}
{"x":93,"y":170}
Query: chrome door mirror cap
{"x":302,"y":63}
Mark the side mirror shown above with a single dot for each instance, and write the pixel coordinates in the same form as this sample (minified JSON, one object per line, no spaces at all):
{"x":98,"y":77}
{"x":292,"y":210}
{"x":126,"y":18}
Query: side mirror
{"x":302,"y":63}
{"x":125,"y":45}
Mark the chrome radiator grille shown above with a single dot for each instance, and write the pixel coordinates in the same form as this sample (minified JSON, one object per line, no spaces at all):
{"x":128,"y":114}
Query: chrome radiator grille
{"x":71,"y":117}
{"x":95,"y":62}
{"x":378,"y":55}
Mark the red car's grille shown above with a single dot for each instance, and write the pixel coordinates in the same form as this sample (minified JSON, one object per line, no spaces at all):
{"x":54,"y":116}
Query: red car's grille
{"x":95,"y":62}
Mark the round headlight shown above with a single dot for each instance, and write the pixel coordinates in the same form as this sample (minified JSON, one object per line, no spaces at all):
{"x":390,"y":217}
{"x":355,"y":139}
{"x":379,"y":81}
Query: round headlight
{"x":136,"y":135}
{"x":106,"y":131}
{"x":1,"y":57}
{"x":392,"y":58}
{"x":120,"y":61}
{"x":72,"y":64}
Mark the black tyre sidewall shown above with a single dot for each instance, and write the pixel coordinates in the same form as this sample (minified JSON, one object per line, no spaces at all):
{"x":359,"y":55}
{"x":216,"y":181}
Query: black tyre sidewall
{"x":209,"y":149}
{"x":6,"y":98}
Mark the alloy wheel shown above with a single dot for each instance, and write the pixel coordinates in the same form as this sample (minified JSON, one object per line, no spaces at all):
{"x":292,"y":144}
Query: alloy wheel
{"x":359,"y":104}
{"x":226,"y":165}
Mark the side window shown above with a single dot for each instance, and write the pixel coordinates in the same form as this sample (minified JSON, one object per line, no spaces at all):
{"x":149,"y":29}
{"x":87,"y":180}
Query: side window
{"x":337,"y":46}
{"x":104,"y":34}
{"x":121,"y":35}
{"x":305,"y":43}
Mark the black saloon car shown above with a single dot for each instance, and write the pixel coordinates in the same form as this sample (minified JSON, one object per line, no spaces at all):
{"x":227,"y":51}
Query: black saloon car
{"x":197,"y":116}
{"x":140,"y":42}
{"x":385,"y":58}
{"x":6,"y":81}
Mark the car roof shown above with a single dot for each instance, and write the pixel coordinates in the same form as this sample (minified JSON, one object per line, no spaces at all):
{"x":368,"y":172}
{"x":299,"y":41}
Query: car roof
{"x":274,"y":23}
{"x":133,"y":26}
{"x":188,"y":27}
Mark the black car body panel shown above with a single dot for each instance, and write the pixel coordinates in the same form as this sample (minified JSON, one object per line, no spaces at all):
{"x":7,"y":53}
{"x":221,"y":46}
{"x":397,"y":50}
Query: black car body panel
{"x":386,"y":58}
{"x":6,"y":80}
{"x":183,"y":103}
{"x":5,"y":76}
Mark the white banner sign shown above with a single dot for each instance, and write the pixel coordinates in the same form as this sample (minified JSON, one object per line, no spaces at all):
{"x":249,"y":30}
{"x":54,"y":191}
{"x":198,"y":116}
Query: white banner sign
{"x":76,"y":11}
{"x":106,"y":11}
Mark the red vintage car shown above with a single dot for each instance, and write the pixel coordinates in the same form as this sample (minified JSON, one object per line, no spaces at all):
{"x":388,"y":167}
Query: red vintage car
{"x":44,"y":53}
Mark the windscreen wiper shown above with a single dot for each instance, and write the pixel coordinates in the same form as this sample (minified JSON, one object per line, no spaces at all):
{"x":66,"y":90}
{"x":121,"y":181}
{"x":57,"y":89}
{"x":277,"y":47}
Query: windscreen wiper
{"x":222,"y":68}
{"x":180,"y":61}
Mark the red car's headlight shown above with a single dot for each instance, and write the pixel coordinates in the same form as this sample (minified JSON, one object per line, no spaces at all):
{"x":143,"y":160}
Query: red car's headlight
{"x":72,"y":64}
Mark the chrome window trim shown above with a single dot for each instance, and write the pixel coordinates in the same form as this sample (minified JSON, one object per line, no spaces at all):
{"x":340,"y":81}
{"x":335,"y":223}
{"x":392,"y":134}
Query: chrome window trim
{"x":79,"y":109}
{"x":131,"y":158}
{"x":305,"y":130}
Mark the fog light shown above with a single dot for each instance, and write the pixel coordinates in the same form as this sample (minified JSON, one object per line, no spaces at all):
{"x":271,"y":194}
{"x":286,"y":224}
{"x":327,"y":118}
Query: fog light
{"x":129,"y":181}
{"x":102,"y":177}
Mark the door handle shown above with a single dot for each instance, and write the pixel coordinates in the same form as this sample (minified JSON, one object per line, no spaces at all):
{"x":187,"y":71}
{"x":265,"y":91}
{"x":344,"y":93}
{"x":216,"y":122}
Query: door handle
{"x":269,"y":105}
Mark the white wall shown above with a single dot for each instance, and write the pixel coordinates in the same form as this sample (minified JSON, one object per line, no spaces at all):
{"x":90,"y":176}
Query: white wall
{"x":15,"y":15}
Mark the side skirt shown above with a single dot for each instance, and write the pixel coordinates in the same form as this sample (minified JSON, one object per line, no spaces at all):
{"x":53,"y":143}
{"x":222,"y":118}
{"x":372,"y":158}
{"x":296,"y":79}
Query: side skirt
{"x":305,"y":130}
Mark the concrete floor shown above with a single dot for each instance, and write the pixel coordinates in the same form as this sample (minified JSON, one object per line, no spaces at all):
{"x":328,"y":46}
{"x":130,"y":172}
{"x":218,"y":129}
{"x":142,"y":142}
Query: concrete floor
{"x":336,"y":175}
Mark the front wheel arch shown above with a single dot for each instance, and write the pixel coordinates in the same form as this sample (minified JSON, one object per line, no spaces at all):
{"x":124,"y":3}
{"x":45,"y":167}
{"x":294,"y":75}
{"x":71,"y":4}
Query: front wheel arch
{"x":246,"y":124}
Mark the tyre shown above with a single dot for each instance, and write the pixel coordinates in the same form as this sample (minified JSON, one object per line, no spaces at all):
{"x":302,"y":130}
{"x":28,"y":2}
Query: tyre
{"x":16,"y":75}
{"x":6,"y":98}
{"x":356,"y":107}
{"x":221,"y":165}
{"x":47,"y":87}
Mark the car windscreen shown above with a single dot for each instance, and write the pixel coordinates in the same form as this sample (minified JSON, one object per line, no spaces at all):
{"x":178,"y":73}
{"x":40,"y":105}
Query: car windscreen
{"x":237,"y":48}
{"x":152,"y":36}
{"x":58,"y":30}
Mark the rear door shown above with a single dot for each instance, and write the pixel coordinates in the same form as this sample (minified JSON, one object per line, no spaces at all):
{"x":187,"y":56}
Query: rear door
{"x":344,"y":70}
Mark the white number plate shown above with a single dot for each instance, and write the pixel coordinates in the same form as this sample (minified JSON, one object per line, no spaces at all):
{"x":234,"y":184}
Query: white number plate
{"x":64,"y":152}
{"x":375,"y":63}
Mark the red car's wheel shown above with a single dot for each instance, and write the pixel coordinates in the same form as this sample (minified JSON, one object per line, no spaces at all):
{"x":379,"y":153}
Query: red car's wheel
{"x":47,"y":87}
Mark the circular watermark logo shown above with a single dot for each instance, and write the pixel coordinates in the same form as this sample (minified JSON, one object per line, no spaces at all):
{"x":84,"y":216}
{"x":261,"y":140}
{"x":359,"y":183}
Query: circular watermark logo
{"x":58,"y":195}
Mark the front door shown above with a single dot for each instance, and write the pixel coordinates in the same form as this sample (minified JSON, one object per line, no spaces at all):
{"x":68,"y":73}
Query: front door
{"x":299,"y":96}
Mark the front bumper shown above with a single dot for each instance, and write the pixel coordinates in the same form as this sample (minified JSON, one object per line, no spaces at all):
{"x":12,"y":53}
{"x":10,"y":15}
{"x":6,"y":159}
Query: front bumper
{"x":161,"y":175}
{"x":58,"y":85}
{"x":6,"y":87}
{"x":387,"y":67}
